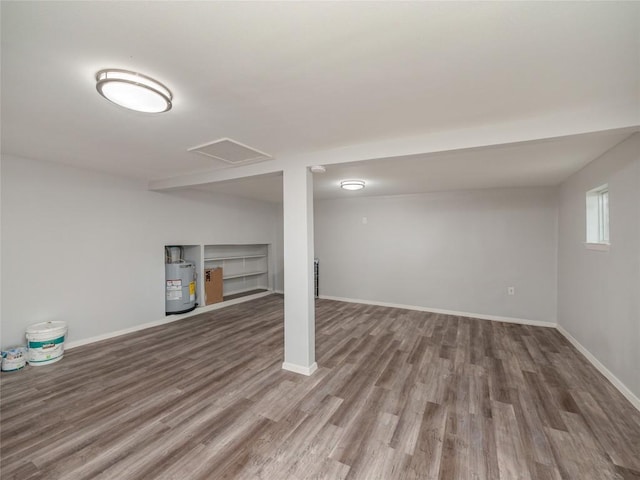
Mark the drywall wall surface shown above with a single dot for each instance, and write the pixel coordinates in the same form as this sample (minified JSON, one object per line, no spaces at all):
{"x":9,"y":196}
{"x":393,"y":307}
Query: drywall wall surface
{"x":456,"y":251}
{"x":599,"y":291}
{"x":278,"y":258}
{"x":88,"y":248}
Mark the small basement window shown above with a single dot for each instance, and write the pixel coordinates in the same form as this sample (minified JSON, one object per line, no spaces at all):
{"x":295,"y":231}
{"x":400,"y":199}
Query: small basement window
{"x":598,"y":218}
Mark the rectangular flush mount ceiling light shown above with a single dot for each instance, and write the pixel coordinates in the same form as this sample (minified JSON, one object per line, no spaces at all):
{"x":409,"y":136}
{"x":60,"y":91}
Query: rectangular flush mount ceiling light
{"x":230,"y":151}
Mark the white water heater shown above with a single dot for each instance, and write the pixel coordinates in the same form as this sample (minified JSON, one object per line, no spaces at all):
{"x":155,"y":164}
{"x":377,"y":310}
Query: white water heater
{"x":180,"y":281}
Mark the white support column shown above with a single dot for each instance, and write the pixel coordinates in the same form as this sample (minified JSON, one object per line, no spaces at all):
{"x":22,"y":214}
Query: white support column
{"x":299,"y":304}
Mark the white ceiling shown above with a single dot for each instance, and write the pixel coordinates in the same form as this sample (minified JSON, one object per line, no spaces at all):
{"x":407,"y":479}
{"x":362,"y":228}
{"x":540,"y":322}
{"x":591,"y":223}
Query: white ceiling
{"x":290,"y":78}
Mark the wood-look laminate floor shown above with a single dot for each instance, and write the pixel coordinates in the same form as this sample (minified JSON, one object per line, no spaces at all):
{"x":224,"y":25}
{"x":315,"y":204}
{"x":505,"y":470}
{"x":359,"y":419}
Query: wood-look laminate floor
{"x":399,"y":395}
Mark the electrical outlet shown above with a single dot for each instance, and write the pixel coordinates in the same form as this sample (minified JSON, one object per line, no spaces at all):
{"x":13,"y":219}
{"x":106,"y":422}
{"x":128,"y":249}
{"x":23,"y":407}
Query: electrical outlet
{"x":511,"y":290}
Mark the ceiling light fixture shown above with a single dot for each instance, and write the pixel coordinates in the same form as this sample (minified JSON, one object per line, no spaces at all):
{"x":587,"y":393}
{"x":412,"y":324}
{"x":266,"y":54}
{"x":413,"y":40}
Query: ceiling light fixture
{"x":133,"y":91}
{"x":352,"y":184}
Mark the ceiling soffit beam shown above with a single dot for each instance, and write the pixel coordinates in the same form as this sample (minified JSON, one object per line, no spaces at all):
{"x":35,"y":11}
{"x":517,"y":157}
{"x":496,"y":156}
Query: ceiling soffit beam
{"x":437,"y":142}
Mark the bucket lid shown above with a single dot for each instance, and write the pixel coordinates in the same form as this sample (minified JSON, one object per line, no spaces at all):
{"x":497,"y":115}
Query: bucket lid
{"x":45,"y":327}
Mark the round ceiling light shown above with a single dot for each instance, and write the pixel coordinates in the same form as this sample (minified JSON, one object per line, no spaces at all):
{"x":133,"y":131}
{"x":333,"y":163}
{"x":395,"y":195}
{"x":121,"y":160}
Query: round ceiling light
{"x":352,"y":184}
{"x":133,"y":91}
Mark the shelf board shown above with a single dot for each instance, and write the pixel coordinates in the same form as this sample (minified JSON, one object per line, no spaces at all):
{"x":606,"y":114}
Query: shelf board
{"x":214,"y":259}
{"x":240,"y":275}
{"x":244,"y":293}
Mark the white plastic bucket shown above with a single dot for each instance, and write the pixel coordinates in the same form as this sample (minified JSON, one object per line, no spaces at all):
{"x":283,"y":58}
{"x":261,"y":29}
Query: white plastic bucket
{"x":46,"y":342}
{"x":14,"y":359}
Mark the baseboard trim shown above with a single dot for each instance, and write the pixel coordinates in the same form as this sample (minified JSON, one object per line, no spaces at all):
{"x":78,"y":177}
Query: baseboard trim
{"x":292,"y":367}
{"x":481,"y":316}
{"x":629,"y":395}
{"x":164,"y":321}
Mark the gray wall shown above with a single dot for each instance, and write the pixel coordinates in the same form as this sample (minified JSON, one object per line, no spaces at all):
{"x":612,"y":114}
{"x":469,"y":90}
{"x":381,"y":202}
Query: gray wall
{"x":450,"y":250}
{"x":87,"y":248}
{"x":278,"y":277}
{"x":599,"y":292}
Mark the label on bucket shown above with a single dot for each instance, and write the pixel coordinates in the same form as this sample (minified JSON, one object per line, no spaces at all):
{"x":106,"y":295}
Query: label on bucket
{"x":47,"y":343}
{"x":46,"y":350}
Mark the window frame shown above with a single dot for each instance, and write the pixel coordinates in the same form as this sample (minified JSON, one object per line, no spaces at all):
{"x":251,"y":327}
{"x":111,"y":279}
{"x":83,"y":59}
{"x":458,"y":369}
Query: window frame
{"x":597,"y":218}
